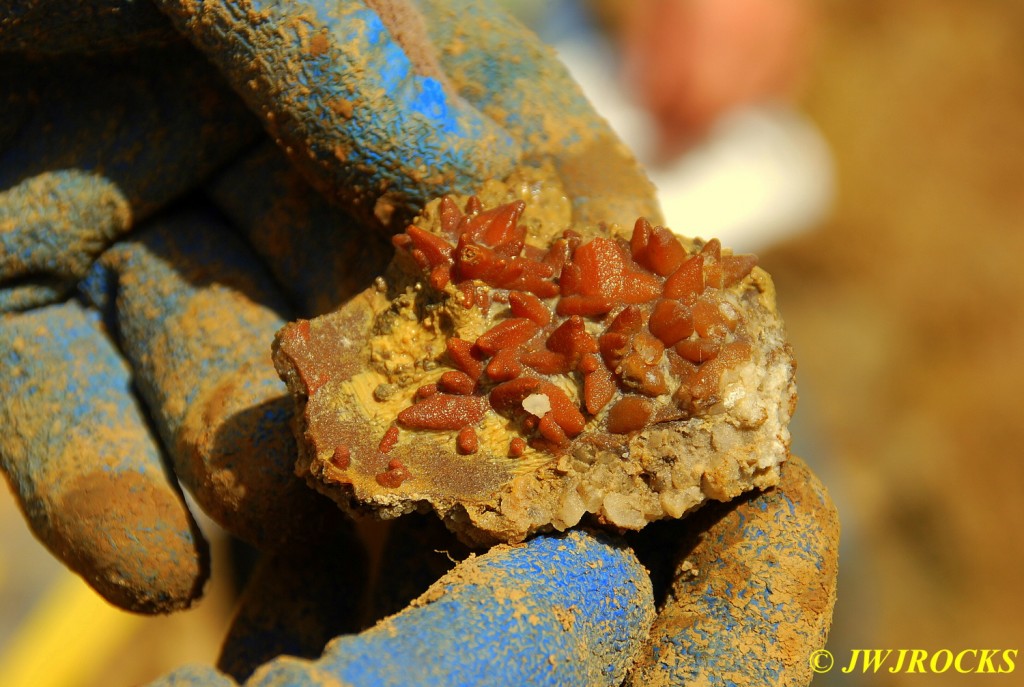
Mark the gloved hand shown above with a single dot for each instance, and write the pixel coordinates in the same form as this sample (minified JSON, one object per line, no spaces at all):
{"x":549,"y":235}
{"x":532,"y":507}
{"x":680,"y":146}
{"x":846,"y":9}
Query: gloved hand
{"x":742,"y":594}
{"x":183,"y":312}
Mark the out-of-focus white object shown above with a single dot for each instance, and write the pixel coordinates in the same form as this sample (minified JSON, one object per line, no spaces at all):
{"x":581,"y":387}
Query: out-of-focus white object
{"x":763,"y":174}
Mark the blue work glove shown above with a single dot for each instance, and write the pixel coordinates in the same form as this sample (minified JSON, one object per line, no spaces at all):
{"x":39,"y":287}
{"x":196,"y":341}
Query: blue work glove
{"x":192,"y":310}
{"x":742,"y":594}
{"x":387,"y":110}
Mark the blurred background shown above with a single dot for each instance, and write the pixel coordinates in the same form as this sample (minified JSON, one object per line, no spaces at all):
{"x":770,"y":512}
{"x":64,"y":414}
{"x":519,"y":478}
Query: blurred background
{"x":905,"y":313}
{"x":881,"y":180}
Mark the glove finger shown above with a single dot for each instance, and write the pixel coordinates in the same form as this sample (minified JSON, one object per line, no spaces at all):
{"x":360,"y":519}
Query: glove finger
{"x":318,"y":254}
{"x":295,"y":602}
{"x":503,"y":69}
{"x":154,"y":124}
{"x":196,"y":314}
{"x":59,"y":26}
{"x":194,"y":676}
{"x":100,"y":145}
{"x":363,"y":122}
{"x":52,"y":226}
{"x":559,"y":610}
{"x":73,"y":444}
{"x":752,"y":589}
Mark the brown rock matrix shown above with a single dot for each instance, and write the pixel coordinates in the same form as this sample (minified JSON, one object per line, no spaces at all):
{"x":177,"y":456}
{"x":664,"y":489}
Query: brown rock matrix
{"x":516,"y":375}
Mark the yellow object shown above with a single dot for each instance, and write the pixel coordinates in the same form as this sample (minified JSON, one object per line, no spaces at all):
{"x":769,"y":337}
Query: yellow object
{"x":66,"y":640}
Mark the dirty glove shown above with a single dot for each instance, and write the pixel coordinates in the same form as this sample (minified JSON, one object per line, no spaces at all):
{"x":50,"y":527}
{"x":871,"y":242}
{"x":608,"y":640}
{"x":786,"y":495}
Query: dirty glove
{"x":96,"y":145}
{"x":192,"y":311}
{"x":742,"y":595}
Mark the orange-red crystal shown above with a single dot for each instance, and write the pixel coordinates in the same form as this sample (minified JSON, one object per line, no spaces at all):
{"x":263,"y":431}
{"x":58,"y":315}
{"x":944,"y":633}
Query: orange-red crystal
{"x":605,"y":312}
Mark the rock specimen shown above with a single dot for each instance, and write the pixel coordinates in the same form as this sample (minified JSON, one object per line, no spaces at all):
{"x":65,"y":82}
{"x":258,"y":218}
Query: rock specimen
{"x":515,"y":374}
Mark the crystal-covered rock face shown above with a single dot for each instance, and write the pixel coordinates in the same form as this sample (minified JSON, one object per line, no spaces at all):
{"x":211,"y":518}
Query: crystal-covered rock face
{"x":516,"y":376}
